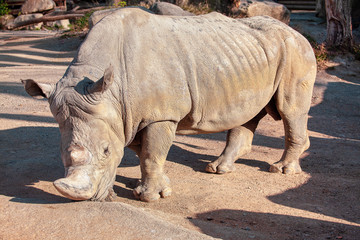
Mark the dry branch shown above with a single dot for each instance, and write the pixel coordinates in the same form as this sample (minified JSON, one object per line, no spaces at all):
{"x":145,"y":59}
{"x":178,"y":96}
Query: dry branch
{"x":86,"y":10}
{"x":43,"y":19}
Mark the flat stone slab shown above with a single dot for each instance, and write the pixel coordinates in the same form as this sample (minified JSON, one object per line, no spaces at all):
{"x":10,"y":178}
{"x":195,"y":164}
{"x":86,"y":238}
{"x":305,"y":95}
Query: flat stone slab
{"x":86,"y":220}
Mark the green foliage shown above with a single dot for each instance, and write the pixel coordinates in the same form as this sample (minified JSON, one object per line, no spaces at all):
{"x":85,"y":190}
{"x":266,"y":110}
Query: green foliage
{"x":321,"y":53}
{"x":120,"y":4}
{"x":4,"y":8}
{"x":81,"y":24}
{"x":55,"y":27}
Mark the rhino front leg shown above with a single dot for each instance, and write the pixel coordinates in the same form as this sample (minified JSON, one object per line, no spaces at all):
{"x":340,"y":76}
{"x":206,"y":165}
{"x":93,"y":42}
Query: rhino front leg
{"x":238,"y":143}
{"x":156,"y":140}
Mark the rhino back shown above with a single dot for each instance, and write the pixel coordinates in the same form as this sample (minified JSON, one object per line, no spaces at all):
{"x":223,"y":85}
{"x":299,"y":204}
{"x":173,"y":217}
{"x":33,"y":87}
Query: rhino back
{"x":209,"y":72}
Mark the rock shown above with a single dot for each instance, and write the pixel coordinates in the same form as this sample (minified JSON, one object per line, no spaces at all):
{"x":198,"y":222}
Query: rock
{"x":61,"y":24}
{"x":34,"y":6}
{"x":5,"y":20}
{"x":23,"y":18}
{"x":114,"y":220}
{"x":251,"y":8}
{"x":164,"y":8}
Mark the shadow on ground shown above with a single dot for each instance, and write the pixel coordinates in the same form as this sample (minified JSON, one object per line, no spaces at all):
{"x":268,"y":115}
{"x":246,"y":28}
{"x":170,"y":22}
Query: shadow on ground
{"x":27,"y":160}
{"x":12,"y":88}
{"x":332,"y":161}
{"x":26,"y":117}
{"x":12,"y":53}
{"x":232,"y":224}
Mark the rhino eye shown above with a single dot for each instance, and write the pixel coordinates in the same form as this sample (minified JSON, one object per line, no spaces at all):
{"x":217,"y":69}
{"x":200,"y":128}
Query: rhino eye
{"x":106,"y":151}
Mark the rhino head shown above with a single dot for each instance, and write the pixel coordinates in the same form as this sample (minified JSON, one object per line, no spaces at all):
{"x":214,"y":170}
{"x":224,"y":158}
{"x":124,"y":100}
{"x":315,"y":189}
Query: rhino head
{"x":92,"y":136}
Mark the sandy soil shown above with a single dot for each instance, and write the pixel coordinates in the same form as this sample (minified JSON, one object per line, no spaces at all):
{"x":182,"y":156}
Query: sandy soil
{"x":250,"y":203}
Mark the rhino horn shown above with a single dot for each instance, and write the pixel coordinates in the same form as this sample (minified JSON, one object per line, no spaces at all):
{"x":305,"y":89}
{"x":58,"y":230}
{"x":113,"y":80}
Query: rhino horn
{"x":104,"y":83}
{"x":78,"y":185}
{"x":79,"y":182}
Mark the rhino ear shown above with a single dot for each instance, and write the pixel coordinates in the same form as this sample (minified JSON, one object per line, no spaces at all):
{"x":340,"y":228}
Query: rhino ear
{"x":104,"y":83}
{"x":37,"y":90}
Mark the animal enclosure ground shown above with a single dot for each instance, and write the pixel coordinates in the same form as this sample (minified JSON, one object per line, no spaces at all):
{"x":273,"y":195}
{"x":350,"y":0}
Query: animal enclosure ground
{"x":250,"y":203}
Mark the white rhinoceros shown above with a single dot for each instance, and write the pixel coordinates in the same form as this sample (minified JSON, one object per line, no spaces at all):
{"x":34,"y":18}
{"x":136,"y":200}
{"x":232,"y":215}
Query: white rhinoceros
{"x":138,"y":79}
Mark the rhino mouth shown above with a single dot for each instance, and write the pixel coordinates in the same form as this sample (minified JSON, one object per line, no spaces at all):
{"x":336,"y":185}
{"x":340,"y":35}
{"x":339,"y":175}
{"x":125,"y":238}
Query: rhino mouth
{"x":104,"y":191}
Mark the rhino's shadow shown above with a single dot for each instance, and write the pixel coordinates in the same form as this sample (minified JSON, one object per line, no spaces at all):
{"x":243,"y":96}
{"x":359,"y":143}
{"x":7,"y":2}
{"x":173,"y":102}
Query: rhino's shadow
{"x":240,"y":224}
{"x":30,"y":155}
{"x":333,"y":156}
{"x":199,"y":161}
{"x":190,"y":158}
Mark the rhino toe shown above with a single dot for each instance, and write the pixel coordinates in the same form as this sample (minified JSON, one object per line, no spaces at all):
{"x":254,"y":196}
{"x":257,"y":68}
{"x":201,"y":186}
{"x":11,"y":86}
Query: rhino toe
{"x":210,"y":168}
{"x":221,"y":168}
{"x":291,"y":168}
{"x":153,"y":190}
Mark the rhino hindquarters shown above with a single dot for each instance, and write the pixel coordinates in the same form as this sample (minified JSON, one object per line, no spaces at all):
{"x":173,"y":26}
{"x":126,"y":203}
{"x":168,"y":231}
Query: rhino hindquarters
{"x":293,"y":101}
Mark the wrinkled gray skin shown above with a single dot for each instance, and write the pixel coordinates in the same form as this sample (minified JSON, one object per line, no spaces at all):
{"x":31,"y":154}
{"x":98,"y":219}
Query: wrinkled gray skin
{"x":138,"y":79}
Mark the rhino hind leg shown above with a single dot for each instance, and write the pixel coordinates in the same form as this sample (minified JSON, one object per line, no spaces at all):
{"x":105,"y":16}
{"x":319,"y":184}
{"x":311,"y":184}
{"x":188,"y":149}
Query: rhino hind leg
{"x":293,"y":104}
{"x":156,"y":140}
{"x":238,"y":143}
{"x":296,"y":142}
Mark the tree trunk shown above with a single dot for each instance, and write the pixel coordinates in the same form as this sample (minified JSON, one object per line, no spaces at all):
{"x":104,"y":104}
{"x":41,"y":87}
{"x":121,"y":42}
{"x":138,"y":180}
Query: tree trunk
{"x":338,"y":17}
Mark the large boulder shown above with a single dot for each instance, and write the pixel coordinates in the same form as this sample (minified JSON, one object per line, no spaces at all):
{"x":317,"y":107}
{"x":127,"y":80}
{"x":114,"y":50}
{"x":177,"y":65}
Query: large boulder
{"x":27,"y":17}
{"x":5,"y":20}
{"x":34,"y":6}
{"x":251,"y":8}
{"x":165,"y":8}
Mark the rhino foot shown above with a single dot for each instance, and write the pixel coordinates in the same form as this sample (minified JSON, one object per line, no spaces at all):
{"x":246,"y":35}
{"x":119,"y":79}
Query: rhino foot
{"x":149,"y":191}
{"x":220,"y":167}
{"x":290,"y":168}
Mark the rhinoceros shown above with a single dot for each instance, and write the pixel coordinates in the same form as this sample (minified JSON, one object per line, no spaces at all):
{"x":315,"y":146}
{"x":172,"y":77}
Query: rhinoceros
{"x":138,"y":79}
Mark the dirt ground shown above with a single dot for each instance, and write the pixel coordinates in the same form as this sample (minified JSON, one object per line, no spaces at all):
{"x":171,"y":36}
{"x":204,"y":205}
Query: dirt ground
{"x":250,"y":203}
